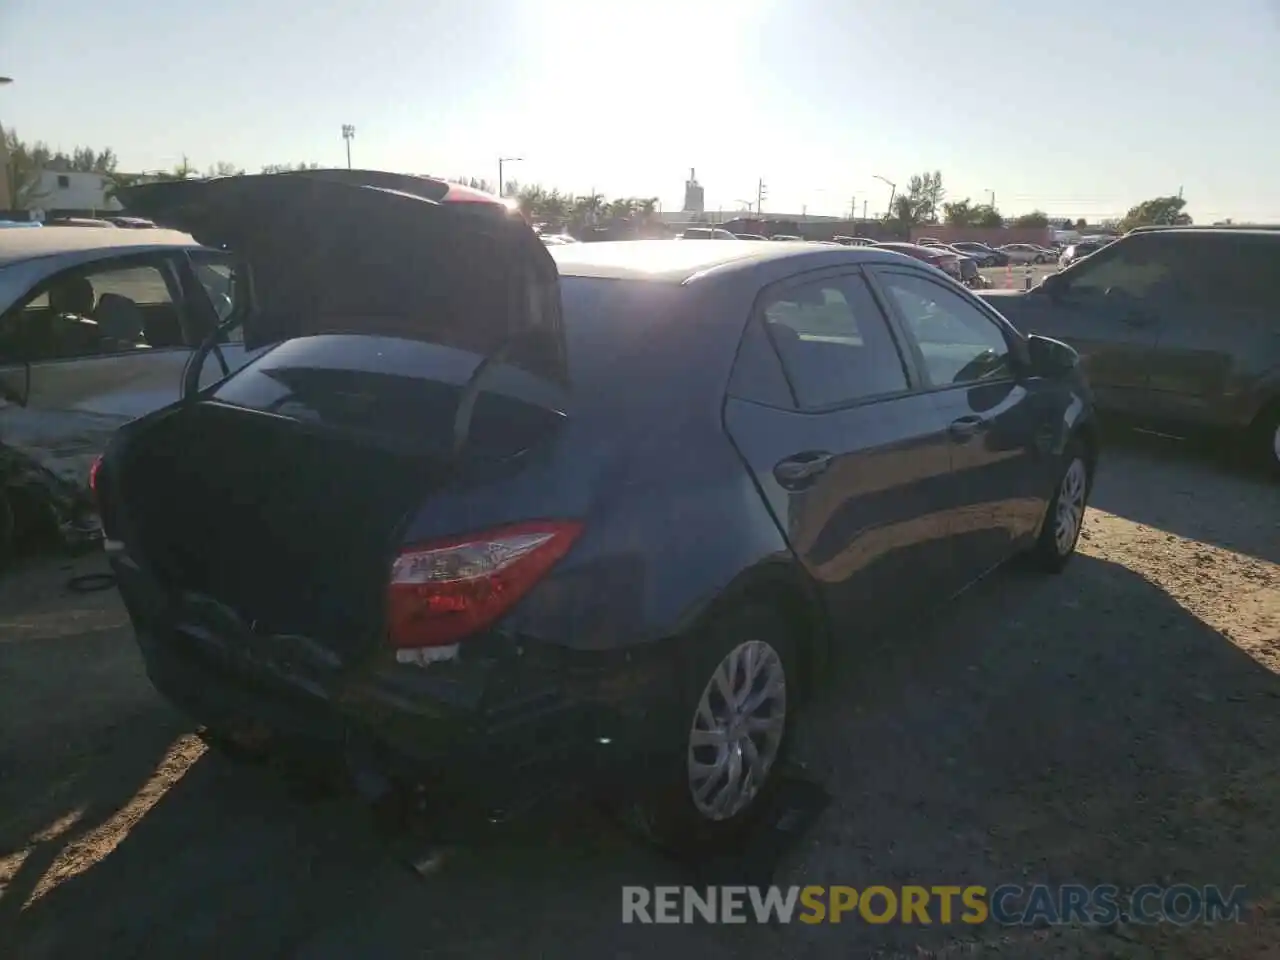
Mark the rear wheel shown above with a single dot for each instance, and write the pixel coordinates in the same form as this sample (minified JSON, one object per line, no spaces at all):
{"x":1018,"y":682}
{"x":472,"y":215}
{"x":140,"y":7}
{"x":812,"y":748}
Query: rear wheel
{"x":739,"y":689}
{"x":1065,"y":517}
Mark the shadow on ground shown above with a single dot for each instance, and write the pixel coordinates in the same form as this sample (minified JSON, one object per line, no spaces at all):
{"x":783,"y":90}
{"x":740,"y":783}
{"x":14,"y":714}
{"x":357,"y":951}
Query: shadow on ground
{"x":1081,"y":728}
{"x":1168,"y":484}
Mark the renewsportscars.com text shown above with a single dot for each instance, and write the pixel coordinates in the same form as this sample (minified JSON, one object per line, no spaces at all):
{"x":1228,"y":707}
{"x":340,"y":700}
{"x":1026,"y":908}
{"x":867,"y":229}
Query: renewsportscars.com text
{"x":1006,"y":905}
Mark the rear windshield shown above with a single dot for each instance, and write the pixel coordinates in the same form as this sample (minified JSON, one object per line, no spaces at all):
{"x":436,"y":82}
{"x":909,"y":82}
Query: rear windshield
{"x":609,"y":320}
{"x":404,"y":391}
{"x":401,"y":388}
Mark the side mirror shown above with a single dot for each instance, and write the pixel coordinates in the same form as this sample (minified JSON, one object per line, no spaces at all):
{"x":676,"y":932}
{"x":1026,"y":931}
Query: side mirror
{"x":1051,"y":358}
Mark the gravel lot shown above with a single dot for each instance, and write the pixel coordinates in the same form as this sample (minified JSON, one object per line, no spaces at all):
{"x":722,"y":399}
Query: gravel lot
{"x":1115,"y":724}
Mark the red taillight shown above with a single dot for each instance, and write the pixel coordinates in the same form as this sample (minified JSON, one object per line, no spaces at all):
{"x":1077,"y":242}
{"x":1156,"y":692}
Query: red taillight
{"x":93,"y":475}
{"x":444,"y":591}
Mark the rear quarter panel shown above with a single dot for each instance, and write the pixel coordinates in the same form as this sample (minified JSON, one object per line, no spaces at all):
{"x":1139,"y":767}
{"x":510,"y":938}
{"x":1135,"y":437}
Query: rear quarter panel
{"x":672,"y":518}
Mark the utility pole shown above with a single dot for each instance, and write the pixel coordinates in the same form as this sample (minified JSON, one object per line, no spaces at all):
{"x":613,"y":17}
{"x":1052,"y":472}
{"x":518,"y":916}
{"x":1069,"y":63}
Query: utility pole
{"x":853,"y":208}
{"x":1179,"y":193}
{"x":348,"y":134}
{"x":864,"y":209}
{"x":992,"y":195}
{"x":502,"y":184}
{"x":762,"y":193}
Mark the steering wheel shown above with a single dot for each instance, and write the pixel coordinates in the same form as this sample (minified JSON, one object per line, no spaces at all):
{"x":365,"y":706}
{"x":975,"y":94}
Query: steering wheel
{"x":979,"y":368}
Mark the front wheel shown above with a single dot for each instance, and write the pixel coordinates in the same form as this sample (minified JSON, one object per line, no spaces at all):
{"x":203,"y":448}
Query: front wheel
{"x":1065,"y":517}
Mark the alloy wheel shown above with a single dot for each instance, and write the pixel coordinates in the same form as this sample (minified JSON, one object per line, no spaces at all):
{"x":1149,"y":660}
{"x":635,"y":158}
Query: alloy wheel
{"x":737,"y":730}
{"x":1070,"y":511}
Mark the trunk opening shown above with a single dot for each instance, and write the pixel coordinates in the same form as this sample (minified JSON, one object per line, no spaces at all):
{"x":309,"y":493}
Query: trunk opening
{"x":291,"y":525}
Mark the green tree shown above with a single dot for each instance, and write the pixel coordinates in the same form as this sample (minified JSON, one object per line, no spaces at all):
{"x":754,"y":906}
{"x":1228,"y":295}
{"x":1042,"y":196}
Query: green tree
{"x":1158,"y":211}
{"x":88,"y":160}
{"x":555,"y":206}
{"x":958,"y":213}
{"x":985,"y":215}
{"x":622,"y":208}
{"x":224,"y":169}
{"x":1036,"y":218}
{"x":926,"y":193}
{"x":1082,"y":224}
{"x":26,"y":160}
{"x":588,"y":208}
{"x":289,"y":167}
{"x":531,"y":200}
{"x":964,"y":213}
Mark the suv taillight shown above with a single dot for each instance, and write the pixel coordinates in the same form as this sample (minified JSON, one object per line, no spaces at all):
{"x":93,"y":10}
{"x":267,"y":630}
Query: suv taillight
{"x":444,"y":591}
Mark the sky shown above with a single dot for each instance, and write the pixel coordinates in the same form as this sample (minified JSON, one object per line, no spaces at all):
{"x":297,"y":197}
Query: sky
{"x":1079,"y":108}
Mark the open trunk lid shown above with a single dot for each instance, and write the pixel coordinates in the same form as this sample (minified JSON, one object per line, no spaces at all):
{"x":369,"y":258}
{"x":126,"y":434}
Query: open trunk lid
{"x":270,"y":507}
{"x":358,"y":251}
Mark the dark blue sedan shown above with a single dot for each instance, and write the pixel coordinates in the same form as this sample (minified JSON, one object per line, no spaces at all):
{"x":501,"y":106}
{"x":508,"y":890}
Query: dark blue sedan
{"x":490,"y":515}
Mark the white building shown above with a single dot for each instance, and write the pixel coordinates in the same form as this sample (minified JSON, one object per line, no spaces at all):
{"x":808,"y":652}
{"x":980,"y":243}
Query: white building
{"x":71,"y":191}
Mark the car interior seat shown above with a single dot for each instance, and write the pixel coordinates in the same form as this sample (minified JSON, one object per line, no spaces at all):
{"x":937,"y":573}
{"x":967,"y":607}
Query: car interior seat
{"x":72,"y":295}
{"x":120,"y":319}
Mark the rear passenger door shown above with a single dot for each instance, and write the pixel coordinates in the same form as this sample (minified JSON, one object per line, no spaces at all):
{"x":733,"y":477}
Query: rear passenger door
{"x":1221,"y":329}
{"x":825,"y":408}
{"x":997,"y":418}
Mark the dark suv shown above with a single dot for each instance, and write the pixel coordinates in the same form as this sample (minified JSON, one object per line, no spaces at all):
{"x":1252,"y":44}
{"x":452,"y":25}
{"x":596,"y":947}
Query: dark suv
{"x":1177,"y":326}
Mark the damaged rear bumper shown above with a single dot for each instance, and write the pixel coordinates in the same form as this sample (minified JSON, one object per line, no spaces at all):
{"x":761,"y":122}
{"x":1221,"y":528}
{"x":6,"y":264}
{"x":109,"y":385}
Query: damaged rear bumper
{"x":505,"y":722}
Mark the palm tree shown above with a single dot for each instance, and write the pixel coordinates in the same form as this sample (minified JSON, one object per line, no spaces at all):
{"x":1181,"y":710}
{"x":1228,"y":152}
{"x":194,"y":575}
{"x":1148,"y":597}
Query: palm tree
{"x":622,"y":208}
{"x":587,"y":208}
{"x":555,"y":205}
{"x":531,"y":199}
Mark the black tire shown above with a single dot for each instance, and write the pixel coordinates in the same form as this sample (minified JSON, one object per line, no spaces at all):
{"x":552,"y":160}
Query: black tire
{"x":1054,"y":548}
{"x":667,"y":813}
{"x":1264,"y":440}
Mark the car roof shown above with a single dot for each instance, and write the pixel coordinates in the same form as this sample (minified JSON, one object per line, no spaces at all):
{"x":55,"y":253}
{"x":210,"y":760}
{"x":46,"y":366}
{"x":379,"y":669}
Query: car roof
{"x":1230,"y":231}
{"x":672,"y":262}
{"x":17,"y":245}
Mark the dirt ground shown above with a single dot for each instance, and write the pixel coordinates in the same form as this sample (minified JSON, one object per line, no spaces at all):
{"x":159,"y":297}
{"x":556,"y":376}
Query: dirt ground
{"x":1116,"y":724}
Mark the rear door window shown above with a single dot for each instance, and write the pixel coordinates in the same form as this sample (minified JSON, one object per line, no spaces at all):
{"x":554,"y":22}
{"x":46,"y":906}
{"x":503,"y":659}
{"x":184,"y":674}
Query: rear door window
{"x":107,"y":307}
{"x":1237,"y":271}
{"x":835,"y":344}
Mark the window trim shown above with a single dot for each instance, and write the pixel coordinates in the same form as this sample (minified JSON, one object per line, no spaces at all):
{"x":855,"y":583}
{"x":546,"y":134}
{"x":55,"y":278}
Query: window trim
{"x":907,"y":359}
{"x":1013,"y":339}
{"x":161,"y":260}
{"x":244,"y":279}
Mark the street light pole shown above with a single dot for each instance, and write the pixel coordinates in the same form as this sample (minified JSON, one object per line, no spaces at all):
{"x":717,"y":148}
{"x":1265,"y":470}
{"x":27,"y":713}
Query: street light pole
{"x":893,"y":189}
{"x":502,"y":185}
{"x":348,"y":134}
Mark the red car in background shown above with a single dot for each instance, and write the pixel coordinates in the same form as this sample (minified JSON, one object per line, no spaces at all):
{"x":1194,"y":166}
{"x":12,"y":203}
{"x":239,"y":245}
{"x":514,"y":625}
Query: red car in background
{"x":944,"y":260}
